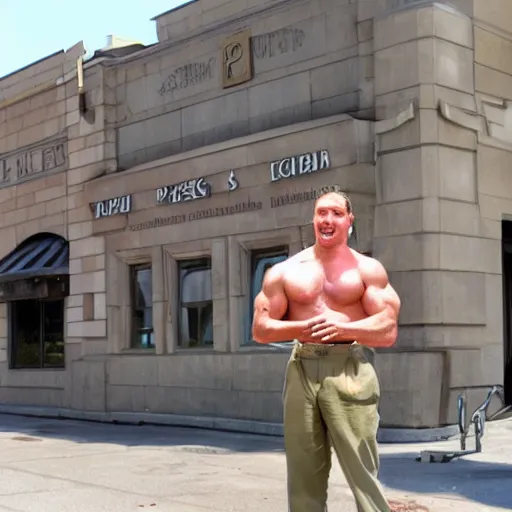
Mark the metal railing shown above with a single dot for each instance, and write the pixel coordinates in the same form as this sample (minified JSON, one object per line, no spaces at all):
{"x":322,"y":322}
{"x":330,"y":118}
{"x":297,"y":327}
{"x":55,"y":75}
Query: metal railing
{"x":478,"y":419}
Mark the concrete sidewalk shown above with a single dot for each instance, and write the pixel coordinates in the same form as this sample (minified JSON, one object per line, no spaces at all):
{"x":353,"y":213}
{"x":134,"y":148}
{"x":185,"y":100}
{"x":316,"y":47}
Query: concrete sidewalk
{"x":70,"y":466}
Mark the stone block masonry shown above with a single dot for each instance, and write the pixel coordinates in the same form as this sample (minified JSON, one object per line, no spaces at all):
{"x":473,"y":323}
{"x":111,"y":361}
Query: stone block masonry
{"x":213,"y":144}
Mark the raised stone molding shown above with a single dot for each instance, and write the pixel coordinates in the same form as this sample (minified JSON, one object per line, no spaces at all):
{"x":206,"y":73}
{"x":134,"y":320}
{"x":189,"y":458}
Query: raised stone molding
{"x":393,"y":123}
{"x":396,"y":5}
{"x":65,"y":62}
{"x":30,"y":162}
{"x":463,"y":118}
{"x":492,"y":121}
{"x":38,"y":89}
{"x":455,"y":6}
{"x":387,"y":125}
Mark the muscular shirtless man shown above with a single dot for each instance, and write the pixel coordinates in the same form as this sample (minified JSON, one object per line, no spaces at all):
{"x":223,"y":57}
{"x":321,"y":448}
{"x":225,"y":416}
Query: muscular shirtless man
{"x":335,"y":301}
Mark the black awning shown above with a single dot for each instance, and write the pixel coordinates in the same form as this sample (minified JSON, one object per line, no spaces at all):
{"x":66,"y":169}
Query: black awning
{"x":42,"y":255}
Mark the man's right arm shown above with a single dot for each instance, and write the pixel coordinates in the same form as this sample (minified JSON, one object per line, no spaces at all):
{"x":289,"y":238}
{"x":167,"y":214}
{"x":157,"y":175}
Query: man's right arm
{"x":270,"y":306}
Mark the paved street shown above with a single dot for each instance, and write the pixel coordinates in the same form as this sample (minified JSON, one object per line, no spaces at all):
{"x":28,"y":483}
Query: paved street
{"x":69,"y":466}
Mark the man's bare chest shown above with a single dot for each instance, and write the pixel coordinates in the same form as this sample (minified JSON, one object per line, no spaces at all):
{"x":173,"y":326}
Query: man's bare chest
{"x":310,"y":282}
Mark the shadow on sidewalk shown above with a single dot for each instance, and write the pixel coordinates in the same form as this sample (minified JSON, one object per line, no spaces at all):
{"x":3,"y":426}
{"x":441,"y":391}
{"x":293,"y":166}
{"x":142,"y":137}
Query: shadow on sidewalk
{"x":487,"y":483}
{"x":30,"y":429}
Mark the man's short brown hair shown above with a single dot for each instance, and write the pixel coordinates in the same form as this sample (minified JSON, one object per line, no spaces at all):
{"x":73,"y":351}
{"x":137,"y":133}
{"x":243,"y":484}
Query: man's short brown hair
{"x":336,"y":191}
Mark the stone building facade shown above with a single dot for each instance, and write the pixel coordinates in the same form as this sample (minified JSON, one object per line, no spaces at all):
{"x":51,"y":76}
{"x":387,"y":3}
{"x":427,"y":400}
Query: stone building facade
{"x":146,"y":190}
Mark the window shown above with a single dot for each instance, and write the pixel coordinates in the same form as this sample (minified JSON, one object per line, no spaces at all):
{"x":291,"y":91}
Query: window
{"x":142,"y":307}
{"x":196,"y":306}
{"x":261,"y":261}
{"x":37,"y":333}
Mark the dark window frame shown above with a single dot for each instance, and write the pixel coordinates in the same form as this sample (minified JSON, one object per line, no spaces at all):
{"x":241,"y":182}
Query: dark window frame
{"x":13,"y":329}
{"x":137,"y":333}
{"x":191,"y":264}
{"x":255,"y":256}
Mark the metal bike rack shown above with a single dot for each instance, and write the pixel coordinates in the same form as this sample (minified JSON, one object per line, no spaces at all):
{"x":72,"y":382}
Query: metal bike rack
{"x":478,"y":419}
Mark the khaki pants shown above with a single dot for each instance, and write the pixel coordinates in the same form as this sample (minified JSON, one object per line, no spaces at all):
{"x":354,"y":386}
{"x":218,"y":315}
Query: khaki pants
{"x":330,"y":398}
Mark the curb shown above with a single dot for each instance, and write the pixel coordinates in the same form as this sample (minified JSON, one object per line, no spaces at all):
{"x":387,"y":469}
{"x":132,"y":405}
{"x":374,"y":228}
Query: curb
{"x":385,"y":435}
{"x":417,"y":435}
{"x":135,"y":418}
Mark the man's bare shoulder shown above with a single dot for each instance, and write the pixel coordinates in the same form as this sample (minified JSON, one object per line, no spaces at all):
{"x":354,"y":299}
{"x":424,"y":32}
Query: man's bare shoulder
{"x":303,"y":256}
{"x":372,"y":270}
{"x":279,"y":270}
{"x":375,"y":276}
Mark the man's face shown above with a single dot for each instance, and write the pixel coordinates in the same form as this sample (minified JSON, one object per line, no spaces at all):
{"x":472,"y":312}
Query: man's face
{"x":331,"y":221}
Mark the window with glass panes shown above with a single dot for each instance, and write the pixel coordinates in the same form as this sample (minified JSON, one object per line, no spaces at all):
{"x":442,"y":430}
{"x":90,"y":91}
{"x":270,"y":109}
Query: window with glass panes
{"x":195,"y":303}
{"x":261,"y":261}
{"x":142,"y":307}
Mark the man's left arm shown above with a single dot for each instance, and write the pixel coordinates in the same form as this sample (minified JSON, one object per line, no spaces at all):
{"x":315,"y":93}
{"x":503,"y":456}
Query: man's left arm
{"x":382,"y":305}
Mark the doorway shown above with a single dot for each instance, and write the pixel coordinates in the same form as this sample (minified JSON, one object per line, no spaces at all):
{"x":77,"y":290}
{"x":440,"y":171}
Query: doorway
{"x":506,"y":238}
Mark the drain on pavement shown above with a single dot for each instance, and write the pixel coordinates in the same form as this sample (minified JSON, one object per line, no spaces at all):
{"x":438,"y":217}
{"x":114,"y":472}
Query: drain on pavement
{"x":25,"y":438}
{"x":202,"y":450}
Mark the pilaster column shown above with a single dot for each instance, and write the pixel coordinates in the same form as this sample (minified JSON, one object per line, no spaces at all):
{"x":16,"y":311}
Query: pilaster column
{"x":428,"y":231}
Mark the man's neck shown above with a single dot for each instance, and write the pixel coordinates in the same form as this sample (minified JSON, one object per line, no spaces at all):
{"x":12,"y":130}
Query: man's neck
{"x":330,"y":253}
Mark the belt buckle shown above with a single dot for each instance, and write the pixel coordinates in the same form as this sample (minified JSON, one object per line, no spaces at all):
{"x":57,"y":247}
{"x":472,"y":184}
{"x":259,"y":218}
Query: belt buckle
{"x":321,"y":351}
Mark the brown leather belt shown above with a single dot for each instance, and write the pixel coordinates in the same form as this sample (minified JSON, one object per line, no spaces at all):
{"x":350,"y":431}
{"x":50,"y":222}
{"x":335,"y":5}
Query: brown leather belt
{"x":315,"y":351}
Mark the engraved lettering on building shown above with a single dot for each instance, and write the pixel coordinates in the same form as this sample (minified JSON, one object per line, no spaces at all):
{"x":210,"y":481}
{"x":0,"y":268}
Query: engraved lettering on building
{"x":299,"y":165}
{"x":236,"y":59}
{"x":115,"y":206}
{"x":244,"y":207}
{"x":232,"y":181}
{"x":185,"y":191}
{"x":301,"y":197}
{"x":24,"y":163}
{"x":247,"y":206}
{"x":279,"y":42}
{"x":188,"y":75}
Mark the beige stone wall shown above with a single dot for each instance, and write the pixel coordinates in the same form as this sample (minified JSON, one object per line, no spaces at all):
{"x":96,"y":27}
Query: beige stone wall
{"x":436,"y":79}
{"x":48,"y":149}
{"x":303,"y":81}
{"x":243,"y":386}
{"x":38,"y":76}
{"x":493,"y":75}
{"x":92,"y":154}
{"x":33,"y":119}
{"x":305,"y":65}
{"x":492,"y":33}
{"x":421,"y":55}
{"x":442,"y":193}
{"x":200,"y":14}
{"x":235,"y":379}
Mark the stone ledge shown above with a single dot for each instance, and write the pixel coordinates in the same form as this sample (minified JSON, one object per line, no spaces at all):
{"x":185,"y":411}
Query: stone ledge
{"x":385,"y":435}
{"x":417,"y":435}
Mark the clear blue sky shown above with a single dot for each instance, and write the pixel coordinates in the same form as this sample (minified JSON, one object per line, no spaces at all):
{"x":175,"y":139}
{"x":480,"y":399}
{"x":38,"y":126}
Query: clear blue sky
{"x":33,"y":29}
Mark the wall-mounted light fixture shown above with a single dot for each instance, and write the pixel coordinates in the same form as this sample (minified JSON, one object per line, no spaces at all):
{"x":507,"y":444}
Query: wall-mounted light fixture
{"x":82,"y":106}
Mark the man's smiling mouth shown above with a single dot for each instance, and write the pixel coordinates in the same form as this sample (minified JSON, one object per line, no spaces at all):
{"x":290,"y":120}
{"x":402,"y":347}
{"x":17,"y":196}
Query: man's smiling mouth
{"x":327,"y":233}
